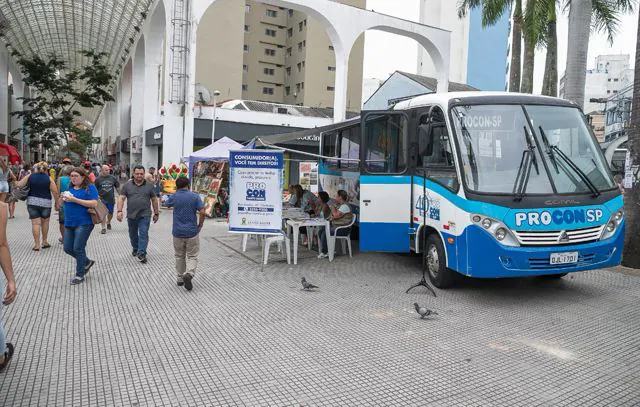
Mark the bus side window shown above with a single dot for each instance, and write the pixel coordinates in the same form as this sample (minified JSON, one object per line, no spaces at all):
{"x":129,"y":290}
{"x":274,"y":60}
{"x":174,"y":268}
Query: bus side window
{"x":329,"y":149}
{"x":436,"y":155}
{"x":385,"y":140}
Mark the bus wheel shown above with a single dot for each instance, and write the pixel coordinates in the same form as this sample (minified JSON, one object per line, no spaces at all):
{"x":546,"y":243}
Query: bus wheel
{"x":435,"y":263}
{"x":553,"y":276}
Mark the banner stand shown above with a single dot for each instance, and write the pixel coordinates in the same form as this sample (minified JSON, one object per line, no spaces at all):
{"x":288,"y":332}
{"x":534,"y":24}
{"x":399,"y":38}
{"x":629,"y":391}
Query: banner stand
{"x":255,"y":193}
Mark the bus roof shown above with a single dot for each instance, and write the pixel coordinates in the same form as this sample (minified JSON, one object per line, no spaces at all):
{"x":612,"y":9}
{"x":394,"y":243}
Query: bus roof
{"x":443,"y":99}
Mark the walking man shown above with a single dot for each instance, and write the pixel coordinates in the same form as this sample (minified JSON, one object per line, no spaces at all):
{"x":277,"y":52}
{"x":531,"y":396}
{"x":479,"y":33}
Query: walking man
{"x":141,"y":197}
{"x":6,"y":349}
{"x":186,"y":239}
{"x":107,"y":184}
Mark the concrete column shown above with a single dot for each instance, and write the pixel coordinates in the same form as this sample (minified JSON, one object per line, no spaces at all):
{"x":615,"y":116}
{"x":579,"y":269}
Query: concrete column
{"x":342,"y":74}
{"x":4,"y":94}
{"x":138,"y":100}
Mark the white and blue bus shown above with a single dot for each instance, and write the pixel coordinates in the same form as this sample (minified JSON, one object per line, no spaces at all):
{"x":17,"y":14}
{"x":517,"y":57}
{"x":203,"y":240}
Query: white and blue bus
{"x":483,"y":184}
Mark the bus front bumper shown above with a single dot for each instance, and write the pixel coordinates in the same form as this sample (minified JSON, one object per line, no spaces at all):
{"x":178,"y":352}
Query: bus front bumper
{"x":486,"y":258}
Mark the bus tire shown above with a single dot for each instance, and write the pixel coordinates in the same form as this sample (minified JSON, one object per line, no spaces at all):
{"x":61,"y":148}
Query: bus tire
{"x":553,"y":276}
{"x":435,"y":263}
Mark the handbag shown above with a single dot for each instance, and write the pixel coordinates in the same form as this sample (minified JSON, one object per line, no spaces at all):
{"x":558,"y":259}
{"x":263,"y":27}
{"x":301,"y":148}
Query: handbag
{"x":99,"y":213}
{"x":20,"y":194}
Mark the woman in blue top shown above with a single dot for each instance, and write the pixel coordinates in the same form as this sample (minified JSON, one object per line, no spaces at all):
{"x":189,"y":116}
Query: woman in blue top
{"x":77,"y":221}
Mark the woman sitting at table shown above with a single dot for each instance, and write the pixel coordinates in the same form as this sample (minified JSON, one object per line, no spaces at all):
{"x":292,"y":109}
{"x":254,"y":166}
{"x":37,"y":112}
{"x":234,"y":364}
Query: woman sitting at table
{"x":324,"y":207}
{"x":310,"y":203}
{"x":293,"y":196}
{"x":341,"y":215}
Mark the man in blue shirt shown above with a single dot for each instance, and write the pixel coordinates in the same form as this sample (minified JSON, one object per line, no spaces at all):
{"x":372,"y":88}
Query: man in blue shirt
{"x":186,"y":242}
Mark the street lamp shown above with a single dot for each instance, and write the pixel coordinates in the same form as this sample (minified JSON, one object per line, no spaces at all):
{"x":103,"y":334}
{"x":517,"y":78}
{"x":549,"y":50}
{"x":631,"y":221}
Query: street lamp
{"x":213,"y":121}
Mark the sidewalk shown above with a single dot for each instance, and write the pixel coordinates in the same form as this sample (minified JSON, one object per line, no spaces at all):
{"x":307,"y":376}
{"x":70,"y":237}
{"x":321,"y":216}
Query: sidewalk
{"x":129,"y":336}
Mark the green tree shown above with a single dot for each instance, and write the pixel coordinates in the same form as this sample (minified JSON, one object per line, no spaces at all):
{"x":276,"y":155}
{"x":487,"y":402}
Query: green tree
{"x":60,"y":92}
{"x":631,"y":253}
{"x":585,"y":15}
{"x":492,"y":10}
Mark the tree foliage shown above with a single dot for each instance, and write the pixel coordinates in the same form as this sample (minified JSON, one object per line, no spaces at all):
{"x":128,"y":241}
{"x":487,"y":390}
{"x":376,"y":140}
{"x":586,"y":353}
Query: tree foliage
{"x":58,"y":93}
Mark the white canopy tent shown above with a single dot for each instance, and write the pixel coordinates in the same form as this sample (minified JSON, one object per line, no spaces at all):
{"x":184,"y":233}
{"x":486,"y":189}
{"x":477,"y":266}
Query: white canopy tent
{"x":219,"y":150}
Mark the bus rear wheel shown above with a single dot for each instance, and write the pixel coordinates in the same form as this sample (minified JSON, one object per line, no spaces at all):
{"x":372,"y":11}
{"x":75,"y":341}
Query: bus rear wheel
{"x":435,"y":263}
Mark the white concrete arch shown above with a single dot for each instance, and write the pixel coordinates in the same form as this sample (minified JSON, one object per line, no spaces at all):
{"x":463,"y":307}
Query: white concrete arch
{"x":611,"y":148}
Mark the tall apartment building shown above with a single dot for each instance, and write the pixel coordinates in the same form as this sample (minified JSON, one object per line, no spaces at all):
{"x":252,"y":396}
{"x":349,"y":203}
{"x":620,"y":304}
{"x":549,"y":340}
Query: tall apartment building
{"x":611,"y":74}
{"x":478,"y":54}
{"x":257,"y":51}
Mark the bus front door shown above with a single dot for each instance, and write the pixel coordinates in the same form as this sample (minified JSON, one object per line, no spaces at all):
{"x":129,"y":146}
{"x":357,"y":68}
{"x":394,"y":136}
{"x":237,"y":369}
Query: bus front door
{"x":385,"y":189}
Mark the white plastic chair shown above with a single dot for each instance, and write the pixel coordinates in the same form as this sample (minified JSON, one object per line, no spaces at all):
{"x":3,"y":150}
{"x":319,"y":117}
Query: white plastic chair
{"x":245,"y":239}
{"x":344,"y":240}
{"x":279,"y":239}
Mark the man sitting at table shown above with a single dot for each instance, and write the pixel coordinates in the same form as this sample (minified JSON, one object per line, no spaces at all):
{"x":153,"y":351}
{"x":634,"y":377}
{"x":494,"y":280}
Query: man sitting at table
{"x":341,"y":215}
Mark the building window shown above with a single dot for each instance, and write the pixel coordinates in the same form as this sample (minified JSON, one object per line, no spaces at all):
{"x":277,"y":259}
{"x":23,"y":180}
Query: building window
{"x":290,"y":12}
{"x":269,"y":32}
{"x":287,"y":90}
{"x":303,"y":64}
{"x":288,"y":71}
{"x":331,"y":88}
{"x":247,"y":8}
{"x":299,"y":46}
{"x":300,"y":26}
{"x":608,"y":92}
{"x":272,"y":13}
{"x":269,"y":71}
{"x":244,"y":87}
{"x":299,"y":66}
{"x":246,"y":48}
{"x":305,"y":22}
{"x":290,"y":32}
{"x":304,"y":43}
{"x":245,"y":68}
{"x":297,"y":87}
{"x":615,"y":79}
{"x":302,"y":85}
{"x":246,"y":28}
{"x":289,"y":51}
{"x":270,"y":52}
{"x":267,"y":91}
{"x":331,"y":47}
{"x":615,"y":91}
{"x":331,"y":68}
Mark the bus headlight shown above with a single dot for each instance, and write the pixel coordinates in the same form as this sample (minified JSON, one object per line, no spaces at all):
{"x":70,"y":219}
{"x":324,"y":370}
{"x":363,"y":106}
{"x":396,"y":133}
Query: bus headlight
{"x":497,"y":229}
{"x":613,"y":224}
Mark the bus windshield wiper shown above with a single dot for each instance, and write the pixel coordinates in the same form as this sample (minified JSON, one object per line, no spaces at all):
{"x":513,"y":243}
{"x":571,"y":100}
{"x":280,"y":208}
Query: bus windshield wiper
{"x":549,"y":150}
{"x":594,"y":190}
{"x":524,"y":170}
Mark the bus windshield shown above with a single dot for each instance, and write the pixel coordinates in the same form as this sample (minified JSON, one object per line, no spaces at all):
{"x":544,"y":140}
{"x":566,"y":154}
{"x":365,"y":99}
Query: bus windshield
{"x":494,"y":138}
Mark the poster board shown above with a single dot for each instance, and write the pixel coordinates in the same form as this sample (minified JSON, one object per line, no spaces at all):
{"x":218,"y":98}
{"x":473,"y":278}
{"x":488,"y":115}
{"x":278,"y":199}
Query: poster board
{"x":309,"y":175}
{"x":255,"y":199}
{"x":206,"y":180}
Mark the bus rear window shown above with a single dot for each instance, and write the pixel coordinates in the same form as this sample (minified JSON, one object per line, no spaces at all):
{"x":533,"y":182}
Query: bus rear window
{"x":329,"y":148}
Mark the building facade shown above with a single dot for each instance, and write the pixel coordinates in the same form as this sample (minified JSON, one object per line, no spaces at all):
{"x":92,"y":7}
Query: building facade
{"x":272,"y":54}
{"x":478,"y":55}
{"x":610,"y":74}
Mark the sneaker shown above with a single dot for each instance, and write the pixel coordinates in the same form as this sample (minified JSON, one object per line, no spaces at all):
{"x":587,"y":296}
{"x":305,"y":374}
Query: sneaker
{"x":134,"y":253}
{"x":8,"y":354}
{"x":109,"y":226}
{"x":187,"y":281}
{"x":88,"y":266}
{"x":77,"y":280}
{"x":142,"y":258}
{"x":323,"y":256}
{"x":103,"y":231}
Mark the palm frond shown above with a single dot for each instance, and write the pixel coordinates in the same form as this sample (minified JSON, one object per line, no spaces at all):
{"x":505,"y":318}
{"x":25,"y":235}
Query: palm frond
{"x":605,"y":18}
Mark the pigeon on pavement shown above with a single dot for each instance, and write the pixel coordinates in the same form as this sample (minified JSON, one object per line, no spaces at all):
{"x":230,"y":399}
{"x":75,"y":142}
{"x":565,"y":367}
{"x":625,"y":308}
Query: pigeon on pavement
{"x":424,"y":312}
{"x":307,"y":286}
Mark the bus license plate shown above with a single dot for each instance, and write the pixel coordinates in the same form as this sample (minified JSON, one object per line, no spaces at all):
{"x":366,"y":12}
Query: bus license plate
{"x":564,"y":258}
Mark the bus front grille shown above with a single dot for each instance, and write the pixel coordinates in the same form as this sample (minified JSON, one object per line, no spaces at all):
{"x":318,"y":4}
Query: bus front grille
{"x":558,"y":237}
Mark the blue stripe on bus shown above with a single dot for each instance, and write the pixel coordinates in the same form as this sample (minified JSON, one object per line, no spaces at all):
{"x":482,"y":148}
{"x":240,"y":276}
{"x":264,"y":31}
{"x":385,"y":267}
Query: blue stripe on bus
{"x":379,"y":230}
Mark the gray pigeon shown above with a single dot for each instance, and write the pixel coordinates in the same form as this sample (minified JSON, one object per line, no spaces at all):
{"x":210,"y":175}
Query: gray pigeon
{"x":424,"y":312}
{"x":307,"y":286}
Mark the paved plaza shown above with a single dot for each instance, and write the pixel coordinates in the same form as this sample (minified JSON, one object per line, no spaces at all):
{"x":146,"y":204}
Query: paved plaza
{"x":129,"y":336}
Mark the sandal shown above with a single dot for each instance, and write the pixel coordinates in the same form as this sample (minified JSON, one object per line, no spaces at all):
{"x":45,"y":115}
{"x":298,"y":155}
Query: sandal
{"x":46,"y":246}
{"x":35,"y":249}
{"x":8,"y":354}
{"x":77,"y":280}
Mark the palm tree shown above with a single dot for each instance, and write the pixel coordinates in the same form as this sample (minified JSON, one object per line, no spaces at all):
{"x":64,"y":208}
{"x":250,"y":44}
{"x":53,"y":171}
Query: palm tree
{"x":631,"y":254}
{"x":604,"y":16}
{"x":550,"y":40}
{"x":492,"y":10}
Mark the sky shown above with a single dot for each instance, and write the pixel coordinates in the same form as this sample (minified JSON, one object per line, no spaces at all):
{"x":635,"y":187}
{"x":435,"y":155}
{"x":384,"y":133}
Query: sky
{"x":385,"y":53}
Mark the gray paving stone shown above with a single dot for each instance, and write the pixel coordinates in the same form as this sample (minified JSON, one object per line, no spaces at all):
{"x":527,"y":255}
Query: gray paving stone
{"x":130,"y":336}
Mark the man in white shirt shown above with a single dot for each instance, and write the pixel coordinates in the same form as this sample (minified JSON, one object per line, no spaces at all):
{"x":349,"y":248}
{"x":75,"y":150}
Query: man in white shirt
{"x":341,"y":215}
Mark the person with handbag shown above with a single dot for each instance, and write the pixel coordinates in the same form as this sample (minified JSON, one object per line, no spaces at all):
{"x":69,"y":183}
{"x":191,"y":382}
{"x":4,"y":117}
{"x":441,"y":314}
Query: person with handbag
{"x":78,"y":223}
